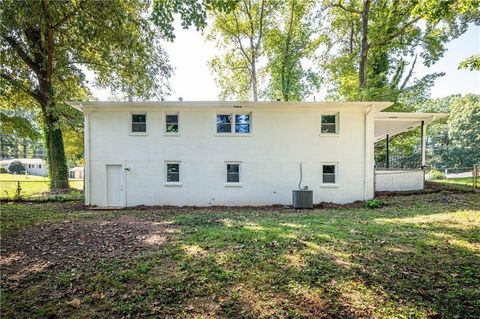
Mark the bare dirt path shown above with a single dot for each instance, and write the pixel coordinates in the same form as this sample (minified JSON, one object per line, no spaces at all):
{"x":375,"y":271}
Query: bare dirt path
{"x":71,"y":244}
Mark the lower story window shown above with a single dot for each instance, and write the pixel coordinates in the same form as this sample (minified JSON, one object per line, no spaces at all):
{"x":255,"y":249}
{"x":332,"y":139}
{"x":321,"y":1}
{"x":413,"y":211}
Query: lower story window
{"x":173,"y":172}
{"x":233,"y":173}
{"x":329,"y":174}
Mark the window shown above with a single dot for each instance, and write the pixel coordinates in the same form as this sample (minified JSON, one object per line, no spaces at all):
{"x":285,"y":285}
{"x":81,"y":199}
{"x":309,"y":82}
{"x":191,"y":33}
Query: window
{"x":39,"y":165}
{"x":173,"y":172}
{"x":329,"y":124}
{"x":234,"y":123}
{"x":171,"y":123}
{"x":233,"y":173}
{"x":329,"y":174}
{"x":139,"y":123}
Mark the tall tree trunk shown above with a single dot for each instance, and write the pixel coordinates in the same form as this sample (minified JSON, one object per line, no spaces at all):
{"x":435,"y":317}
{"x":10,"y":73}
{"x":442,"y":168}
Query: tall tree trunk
{"x":364,"y":46}
{"x":254,"y":81}
{"x":24,"y":149}
{"x":56,"y":159}
{"x":2,"y":147}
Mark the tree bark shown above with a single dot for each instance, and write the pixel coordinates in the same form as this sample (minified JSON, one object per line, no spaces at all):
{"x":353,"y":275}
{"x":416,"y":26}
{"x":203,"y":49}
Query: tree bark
{"x":56,"y":159}
{"x":364,"y":46}
{"x":254,"y":82}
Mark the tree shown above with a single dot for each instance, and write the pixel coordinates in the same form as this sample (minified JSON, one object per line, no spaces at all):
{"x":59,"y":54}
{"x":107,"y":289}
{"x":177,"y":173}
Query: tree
{"x":291,"y":41}
{"x":454,"y":141}
{"x":19,"y":134}
{"x":46,"y":46}
{"x":241,"y":33}
{"x":16,"y":167}
{"x":369,"y":40}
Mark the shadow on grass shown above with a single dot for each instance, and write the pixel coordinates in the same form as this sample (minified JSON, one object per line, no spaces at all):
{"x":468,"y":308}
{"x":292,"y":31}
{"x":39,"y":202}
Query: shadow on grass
{"x":416,"y":258}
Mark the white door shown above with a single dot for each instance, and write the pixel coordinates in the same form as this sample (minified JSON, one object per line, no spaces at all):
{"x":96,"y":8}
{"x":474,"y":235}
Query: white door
{"x":114,"y":185}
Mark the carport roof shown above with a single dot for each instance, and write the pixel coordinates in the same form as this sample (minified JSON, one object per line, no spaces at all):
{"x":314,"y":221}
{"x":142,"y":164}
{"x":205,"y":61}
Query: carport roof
{"x":393,"y":123}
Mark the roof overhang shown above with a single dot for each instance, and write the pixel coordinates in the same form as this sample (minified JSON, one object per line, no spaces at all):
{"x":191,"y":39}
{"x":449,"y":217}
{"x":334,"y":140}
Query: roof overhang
{"x":393,"y":123}
{"x":195,"y":105}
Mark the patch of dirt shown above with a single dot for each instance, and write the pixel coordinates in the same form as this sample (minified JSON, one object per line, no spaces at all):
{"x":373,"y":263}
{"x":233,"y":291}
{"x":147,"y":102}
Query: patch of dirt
{"x":70,"y":244}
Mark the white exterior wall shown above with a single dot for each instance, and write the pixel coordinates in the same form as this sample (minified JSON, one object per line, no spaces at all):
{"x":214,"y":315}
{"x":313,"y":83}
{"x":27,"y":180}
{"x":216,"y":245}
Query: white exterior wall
{"x":281,"y":139}
{"x":399,"y":180}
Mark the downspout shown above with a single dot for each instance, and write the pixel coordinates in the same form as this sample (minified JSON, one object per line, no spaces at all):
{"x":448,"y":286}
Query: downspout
{"x":86,"y":170}
{"x":365,"y":146}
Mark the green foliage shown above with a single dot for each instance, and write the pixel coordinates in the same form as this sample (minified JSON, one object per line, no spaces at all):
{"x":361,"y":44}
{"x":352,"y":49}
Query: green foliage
{"x":3,"y":170}
{"x":435,"y":174}
{"x":16,"y":167}
{"x":454,"y":142}
{"x":451,"y":142}
{"x":396,"y":31}
{"x":472,"y":63}
{"x":283,"y":33}
{"x":18,"y":192}
{"x":374,"y":203}
{"x":47,"y":46}
{"x":240,"y":34}
{"x":288,"y":43}
{"x":191,"y":12}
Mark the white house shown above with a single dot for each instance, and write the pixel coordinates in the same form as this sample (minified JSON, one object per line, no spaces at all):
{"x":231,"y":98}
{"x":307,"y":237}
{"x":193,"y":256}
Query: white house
{"x":33,"y":166}
{"x":76,"y":172}
{"x":229,"y":153}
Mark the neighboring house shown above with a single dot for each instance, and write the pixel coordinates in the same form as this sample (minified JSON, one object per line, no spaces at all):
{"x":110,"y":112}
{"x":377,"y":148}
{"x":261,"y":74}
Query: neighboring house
{"x":33,"y":166}
{"x":233,"y":153}
{"x":76,"y":173}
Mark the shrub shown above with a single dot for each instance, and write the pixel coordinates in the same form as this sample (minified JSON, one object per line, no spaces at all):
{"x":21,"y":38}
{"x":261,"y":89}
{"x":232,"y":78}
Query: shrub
{"x":16,"y":167}
{"x":374,"y":203}
{"x":3,"y":170}
{"x":435,"y":174}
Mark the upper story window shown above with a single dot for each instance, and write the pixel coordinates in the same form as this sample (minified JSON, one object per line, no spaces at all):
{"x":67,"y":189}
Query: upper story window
{"x":329,"y":174}
{"x":234,"y":123}
{"x":171,"y":123}
{"x":329,"y":124}
{"x":139,"y":123}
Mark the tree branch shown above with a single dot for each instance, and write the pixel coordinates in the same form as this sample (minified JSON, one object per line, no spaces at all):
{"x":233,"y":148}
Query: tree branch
{"x":341,"y":6}
{"x":20,"y":86}
{"x":22,"y":54}
{"x":239,"y":40}
{"x":395,"y":34}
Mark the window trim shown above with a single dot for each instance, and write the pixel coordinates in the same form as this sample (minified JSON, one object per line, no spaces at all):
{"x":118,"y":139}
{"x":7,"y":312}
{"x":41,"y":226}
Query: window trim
{"x":232,"y":133}
{"x":233,"y":184}
{"x":329,"y":185}
{"x":173,"y":184}
{"x":130,"y":124}
{"x":337,"y":124}
{"x":165,"y":133}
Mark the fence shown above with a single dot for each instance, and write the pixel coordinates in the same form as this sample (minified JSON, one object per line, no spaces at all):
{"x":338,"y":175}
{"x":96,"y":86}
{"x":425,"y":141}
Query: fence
{"x":401,"y":162}
{"x":465,"y":178}
{"x":19,"y":186}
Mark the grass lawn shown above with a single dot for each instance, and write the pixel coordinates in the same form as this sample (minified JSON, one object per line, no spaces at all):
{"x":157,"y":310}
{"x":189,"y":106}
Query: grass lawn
{"x":30,"y":185}
{"x":468,"y":181}
{"x":417,"y":257}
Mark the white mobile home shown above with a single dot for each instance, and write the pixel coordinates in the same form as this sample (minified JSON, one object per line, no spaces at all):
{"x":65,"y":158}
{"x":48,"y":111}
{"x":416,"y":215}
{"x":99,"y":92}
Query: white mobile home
{"x":33,"y":166}
{"x":228,"y":153}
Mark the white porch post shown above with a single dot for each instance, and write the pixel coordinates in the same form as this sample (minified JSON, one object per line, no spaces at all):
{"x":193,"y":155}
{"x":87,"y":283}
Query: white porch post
{"x":424,"y":144}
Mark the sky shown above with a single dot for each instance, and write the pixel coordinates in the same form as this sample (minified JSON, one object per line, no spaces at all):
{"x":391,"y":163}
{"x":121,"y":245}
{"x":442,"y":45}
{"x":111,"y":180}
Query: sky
{"x":192,"y":80}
